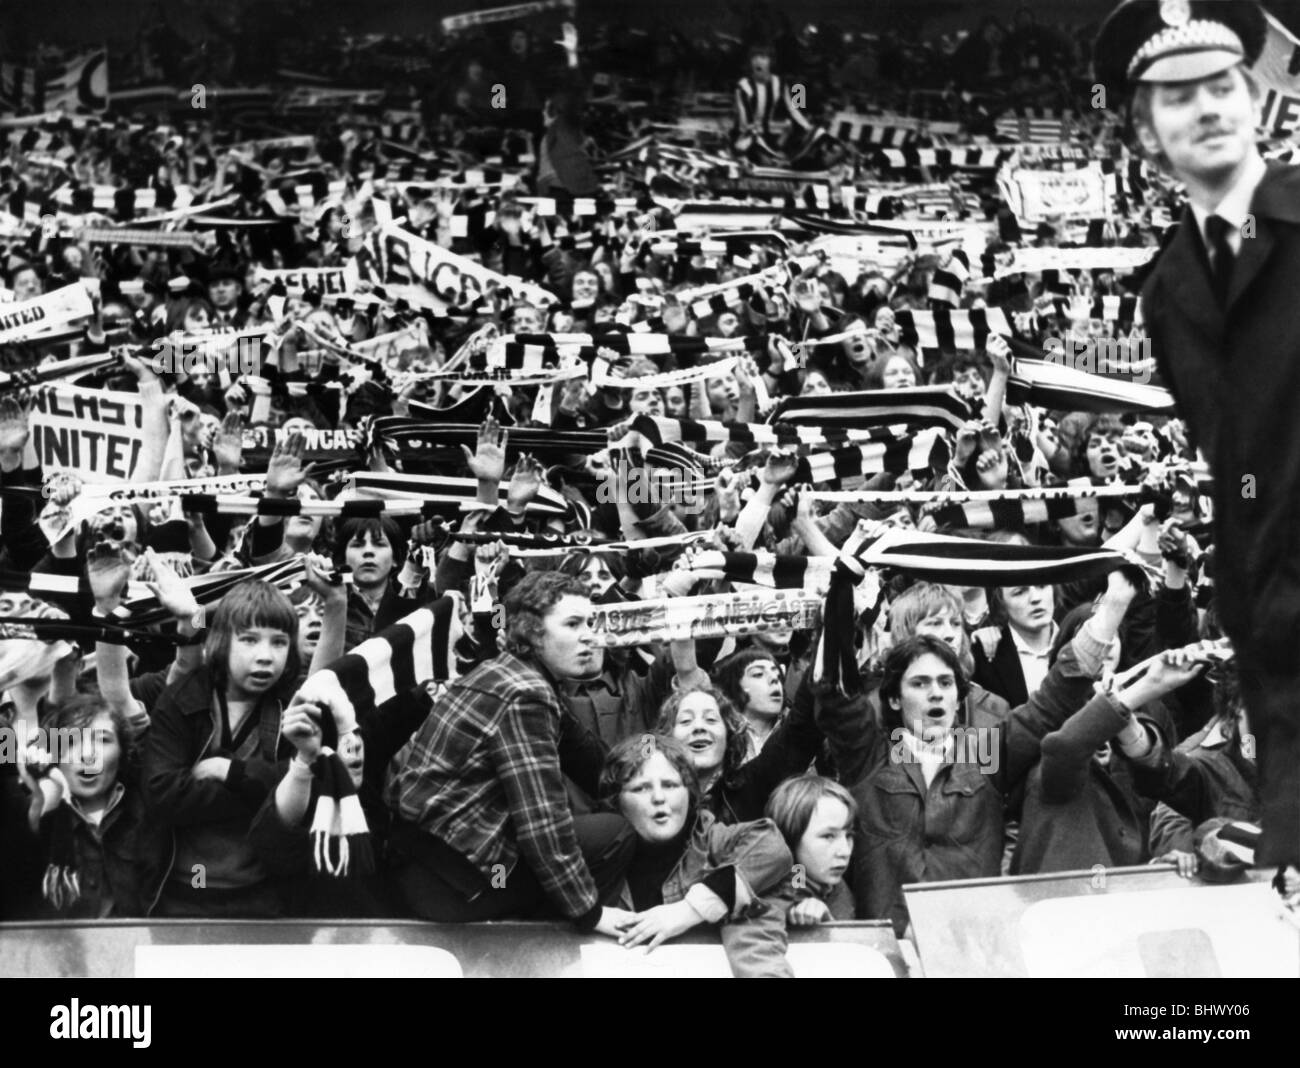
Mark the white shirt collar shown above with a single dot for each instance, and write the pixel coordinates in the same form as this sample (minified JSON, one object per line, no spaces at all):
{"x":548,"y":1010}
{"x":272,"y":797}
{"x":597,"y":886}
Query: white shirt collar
{"x":1023,"y":648}
{"x":1235,"y":205}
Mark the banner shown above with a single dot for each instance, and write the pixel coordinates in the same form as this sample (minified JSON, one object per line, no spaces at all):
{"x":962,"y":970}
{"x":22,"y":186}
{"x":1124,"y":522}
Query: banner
{"x":20,"y":321}
{"x":93,"y":433}
{"x":82,"y":85}
{"x":315,"y":439}
{"x":1278,"y":69}
{"x":1036,"y":196}
{"x":303,"y":96}
{"x":850,"y":254}
{"x":469,"y":19}
{"x":683,"y":618}
{"x":1037,"y":260}
{"x":325,"y":280}
{"x":454,"y":280}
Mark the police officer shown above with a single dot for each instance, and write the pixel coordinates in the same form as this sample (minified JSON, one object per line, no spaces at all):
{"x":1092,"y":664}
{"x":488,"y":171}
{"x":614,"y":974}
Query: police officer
{"x":1220,"y":307}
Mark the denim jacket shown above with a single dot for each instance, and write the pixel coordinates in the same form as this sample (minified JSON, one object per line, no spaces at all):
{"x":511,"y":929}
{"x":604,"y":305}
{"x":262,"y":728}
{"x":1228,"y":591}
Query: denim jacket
{"x":909,"y":832}
{"x":724,"y":873}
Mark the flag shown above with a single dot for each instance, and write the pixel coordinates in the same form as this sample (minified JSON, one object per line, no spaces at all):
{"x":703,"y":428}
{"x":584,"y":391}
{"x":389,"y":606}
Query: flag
{"x":1038,"y":126}
{"x":1278,"y":70}
{"x":81,"y":87}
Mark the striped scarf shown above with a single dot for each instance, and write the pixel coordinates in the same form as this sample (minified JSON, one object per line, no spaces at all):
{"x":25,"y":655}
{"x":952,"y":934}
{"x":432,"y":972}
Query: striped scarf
{"x":417,"y":649}
{"x":920,"y":406}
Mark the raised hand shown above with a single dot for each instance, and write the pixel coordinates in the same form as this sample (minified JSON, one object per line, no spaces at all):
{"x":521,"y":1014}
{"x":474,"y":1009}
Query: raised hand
{"x":1000,"y":353}
{"x":1168,"y":672}
{"x":991,"y":467}
{"x":488,"y":461}
{"x":490,"y":558}
{"x":780,"y":468}
{"x":62,"y":487}
{"x":285,"y":472}
{"x":108,"y":571}
{"x":142,"y":369}
{"x":172,"y":591}
{"x":967,"y":442}
{"x":316,"y":577}
{"x":14,"y":431}
{"x":228,"y":443}
{"x":301,"y":727}
{"x":525,"y":483}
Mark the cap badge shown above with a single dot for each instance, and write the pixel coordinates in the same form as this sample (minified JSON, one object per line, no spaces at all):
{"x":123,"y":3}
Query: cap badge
{"x":1176,"y":12}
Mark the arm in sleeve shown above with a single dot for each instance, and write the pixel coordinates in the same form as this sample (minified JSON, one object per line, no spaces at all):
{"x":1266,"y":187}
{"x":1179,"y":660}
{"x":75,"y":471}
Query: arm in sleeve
{"x":1178,"y":780}
{"x":1067,"y":752}
{"x":525,"y":754}
{"x":175,"y":796}
{"x":756,"y":946}
{"x":284,"y":850}
{"x":1175,"y":617}
{"x":1170,"y":830}
{"x":746,"y":861}
{"x":851,"y":733}
{"x":794,"y":745}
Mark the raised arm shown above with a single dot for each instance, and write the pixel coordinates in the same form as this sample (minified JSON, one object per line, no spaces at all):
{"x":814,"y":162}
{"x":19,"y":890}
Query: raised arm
{"x":1066,"y":689}
{"x":108,"y":573}
{"x":778,"y":470}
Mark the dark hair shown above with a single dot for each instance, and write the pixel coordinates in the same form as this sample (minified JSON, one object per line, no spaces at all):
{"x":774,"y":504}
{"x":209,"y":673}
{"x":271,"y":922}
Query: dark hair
{"x":629,"y":756}
{"x":528,"y":603}
{"x":728,"y":672}
{"x":376,"y":526}
{"x":573,"y":564}
{"x":178,"y":309}
{"x":1099,"y":424}
{"x":900,"y":658}
{"x":737,"y":748}
{"x":78,"y":712}
{"x":253,"y":603}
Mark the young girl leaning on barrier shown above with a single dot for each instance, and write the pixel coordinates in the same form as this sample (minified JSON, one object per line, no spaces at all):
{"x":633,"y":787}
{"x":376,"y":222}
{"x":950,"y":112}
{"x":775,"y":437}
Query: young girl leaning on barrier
{"x":690,"y":869}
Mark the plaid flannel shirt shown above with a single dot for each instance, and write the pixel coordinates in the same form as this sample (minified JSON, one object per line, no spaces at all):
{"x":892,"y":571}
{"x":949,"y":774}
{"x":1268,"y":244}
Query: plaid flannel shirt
{"x":484,"y":777}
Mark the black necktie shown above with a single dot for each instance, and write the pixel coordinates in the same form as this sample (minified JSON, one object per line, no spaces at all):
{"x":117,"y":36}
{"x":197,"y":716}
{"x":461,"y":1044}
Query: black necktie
{"x":1216,"y":233}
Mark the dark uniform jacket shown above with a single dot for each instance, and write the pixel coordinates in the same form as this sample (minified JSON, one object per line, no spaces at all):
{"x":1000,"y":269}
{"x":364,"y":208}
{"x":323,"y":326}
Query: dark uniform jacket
{"x":1234,"y":372}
